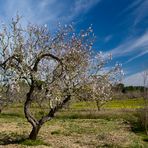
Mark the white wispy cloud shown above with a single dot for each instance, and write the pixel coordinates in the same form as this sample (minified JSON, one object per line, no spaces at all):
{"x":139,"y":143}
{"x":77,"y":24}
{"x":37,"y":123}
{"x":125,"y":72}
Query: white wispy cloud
{"x":132,"y":46}
{"x":137,"y":11}
{"x":108,"y":38}
{"x":141,"y":12}
{"x":131,"y":6}
{"x":136,"y":79}
{"x":46,"y":11}
{"x":77,"y":8}
{"x":38,"y":12}
{"x":82,"y":6}
{"x":137,"y":56}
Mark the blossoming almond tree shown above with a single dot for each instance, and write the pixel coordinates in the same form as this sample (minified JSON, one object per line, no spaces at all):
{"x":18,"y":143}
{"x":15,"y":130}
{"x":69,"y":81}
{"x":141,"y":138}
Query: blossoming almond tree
{"x":100,"y":80}
{"x":53,"y":66}
{"x":104,"y":79}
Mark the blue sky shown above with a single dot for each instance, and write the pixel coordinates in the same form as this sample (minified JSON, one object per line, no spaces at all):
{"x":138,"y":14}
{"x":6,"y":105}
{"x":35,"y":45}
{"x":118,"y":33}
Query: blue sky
{"x":120,"y":26}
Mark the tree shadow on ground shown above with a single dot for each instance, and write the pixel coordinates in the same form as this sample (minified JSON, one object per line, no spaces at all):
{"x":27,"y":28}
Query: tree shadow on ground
{"x":11,"y":138}
{"x":14,"y":138}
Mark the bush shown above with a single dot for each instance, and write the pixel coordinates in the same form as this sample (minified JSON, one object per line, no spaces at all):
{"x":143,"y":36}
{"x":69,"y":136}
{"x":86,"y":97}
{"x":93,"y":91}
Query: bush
{"x":143,"y":118}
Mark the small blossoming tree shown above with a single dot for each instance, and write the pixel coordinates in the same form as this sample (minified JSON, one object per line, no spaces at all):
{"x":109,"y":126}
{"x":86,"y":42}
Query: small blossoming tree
{"x":100,"y":80}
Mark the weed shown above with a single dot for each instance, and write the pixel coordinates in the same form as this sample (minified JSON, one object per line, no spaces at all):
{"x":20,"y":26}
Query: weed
{"x":33,"y":142}
{"x":56,"y":132}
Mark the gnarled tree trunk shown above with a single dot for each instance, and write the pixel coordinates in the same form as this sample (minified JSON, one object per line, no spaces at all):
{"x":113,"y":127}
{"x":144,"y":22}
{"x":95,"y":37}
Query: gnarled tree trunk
{"x":34,"y":132}
{"x":28,"y":115}
{"x":37,"y":124}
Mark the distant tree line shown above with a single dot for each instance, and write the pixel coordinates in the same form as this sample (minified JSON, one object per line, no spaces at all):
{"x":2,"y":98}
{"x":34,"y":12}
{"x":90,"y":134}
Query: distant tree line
{"x":129,"y":92}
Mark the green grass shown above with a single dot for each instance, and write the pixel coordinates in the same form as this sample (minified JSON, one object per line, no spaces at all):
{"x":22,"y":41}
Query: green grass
{"x":81,"y":125}
{"x":37,"y":142}
{"x":129,"y":103}
{"x":114,"y":104}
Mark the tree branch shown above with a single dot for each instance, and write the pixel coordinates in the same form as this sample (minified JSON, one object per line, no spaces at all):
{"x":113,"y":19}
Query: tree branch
{"x":41,"y":56}
{"x":54,"y":110}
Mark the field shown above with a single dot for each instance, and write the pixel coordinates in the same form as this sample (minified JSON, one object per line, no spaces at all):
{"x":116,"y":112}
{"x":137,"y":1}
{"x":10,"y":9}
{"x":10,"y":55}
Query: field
{"x":79,"y":126}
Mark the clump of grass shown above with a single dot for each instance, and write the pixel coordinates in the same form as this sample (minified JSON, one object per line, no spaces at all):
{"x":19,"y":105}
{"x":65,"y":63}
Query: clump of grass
{"x":11,"y":138}
{"x":29,"y":142}
{"x":107,"y":145}
{"x":101,"y":136}
{"x":11,"y":115}
{"x":137,"y":144}
{"x":145,"y":138}
{"x":78,"y":115}
{"x":56,"y":132}
{"x":79,"y":129}
{"x":104,"y":114}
